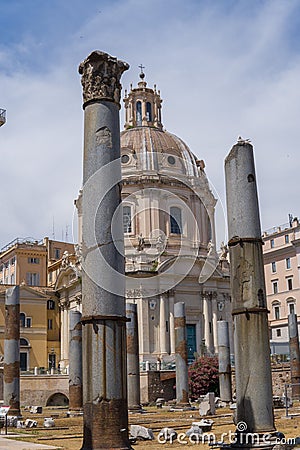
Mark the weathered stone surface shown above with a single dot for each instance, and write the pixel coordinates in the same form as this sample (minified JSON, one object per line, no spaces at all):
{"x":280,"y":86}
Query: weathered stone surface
{"x":181,"y":356}
{"x":204,"y":408}
{"x":249,"y":308}
{"x":143,"y":433}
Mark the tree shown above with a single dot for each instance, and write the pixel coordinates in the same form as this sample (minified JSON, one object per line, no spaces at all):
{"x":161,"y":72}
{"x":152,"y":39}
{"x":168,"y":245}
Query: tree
{"x":204,"y":376}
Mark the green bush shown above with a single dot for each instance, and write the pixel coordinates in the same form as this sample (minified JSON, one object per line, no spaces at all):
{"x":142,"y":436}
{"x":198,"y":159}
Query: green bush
{"x":204,"y":377}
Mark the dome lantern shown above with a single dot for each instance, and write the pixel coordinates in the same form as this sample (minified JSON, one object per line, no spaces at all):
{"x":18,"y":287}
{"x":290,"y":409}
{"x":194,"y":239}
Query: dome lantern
{"x":143,"y":106}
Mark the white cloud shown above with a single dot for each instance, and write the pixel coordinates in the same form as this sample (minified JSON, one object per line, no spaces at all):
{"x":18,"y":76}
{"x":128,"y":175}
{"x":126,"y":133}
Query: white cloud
{"x":222,"y":71}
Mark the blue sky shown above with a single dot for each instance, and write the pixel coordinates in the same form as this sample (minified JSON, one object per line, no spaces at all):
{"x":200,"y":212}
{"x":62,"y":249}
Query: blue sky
{"x":224,"y":68}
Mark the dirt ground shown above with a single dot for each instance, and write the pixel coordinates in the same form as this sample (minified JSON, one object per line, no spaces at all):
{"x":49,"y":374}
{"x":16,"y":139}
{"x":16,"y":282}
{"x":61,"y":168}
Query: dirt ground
{"x":67,"y":434}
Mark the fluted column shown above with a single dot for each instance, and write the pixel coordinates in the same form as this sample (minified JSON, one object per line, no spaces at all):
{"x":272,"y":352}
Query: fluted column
{"x":103,"y":281}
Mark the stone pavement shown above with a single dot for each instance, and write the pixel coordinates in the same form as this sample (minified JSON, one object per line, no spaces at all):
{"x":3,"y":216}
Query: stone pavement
{"x":9,"y":444}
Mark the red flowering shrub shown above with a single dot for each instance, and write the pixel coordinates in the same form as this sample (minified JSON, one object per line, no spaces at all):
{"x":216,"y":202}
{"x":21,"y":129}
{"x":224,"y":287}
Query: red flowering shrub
{"x":204,"y":377}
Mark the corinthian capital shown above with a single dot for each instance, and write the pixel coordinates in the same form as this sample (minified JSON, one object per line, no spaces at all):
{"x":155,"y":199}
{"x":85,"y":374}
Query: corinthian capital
{"x":100,"y":79}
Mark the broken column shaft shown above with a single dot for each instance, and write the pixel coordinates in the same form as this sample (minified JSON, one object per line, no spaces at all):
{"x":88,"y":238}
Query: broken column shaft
{"x":249,"y":307}
{"x":294,"y":356}
{"x":75,"y":362}
{"x":133,"y":365}
{"x":11,"y":370}
{"x":103,"y":281}
{"x":224,"y":361}
{"x":181,"y":356}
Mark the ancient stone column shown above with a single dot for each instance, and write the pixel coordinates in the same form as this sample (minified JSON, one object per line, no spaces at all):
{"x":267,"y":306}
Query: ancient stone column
{"x":224,"y":361}
{"x":75,"y":361}
{"x":133,"y":363}
{"x":171,"y":320}
{"x":11,"y":370}
{"x":207,"y":315}
{"x":249,"y":306}
{"x":181,"y":356}
{"x":294,"y":356}
{"x":162,"y":326}
{"x":103,"y":281}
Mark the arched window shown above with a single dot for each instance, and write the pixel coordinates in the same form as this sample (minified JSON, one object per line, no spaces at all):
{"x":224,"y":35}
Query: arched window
{"x":175,"y":220}
{"x":149,"y":112}
{"x":22,"y":319}
{"x":138,"y":113}
{"x":24,"y":342}
{"x":127,"y":219}
{"x":276,"y":309}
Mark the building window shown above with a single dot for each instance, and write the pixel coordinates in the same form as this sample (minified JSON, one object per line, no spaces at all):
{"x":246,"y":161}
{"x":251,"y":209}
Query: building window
{"x":22,"y":319}
{"x":288,"y":263}
{"x":278,"y":332}
{"x":28,"y":322}
{"x":50,"y":324}
{"x":175,"y":220}
{"x":275,"y":287}
{"x":272,"y":243}
{"x":273,"y":267}
{"x":277,"y":312}
{"x":286,"y":239}
{"x":127,"y":219}
{"x":33,"y":279}
{"x":138,"y":113}
{"x":290,"y":284}
{"x":292,"y":308}
{"x":33,"y":260}
{"x":148,"y":112}
{"x":57,"y":253}
{"x":50,"y":304}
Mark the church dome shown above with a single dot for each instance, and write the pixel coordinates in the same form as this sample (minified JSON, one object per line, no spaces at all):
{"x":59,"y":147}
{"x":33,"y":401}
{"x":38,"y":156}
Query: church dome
{"x":151,"y":149}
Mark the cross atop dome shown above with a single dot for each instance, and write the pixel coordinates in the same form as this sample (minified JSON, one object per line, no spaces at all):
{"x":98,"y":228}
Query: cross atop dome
{"x":143,"y":105}
{"x":142,"y":75}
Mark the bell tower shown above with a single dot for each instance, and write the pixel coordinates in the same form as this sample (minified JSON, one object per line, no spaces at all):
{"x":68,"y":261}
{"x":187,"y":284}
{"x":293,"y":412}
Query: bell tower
{"x":142,"y":106}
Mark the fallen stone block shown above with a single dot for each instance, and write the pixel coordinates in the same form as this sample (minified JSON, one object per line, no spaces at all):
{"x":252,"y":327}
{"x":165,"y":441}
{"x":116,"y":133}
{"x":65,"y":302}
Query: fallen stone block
{"x":30,"y":423}
{"x":49,"y":422}
{"x":36,"y":409}
{"x":139,"y":432}
{"x":204,"y":408}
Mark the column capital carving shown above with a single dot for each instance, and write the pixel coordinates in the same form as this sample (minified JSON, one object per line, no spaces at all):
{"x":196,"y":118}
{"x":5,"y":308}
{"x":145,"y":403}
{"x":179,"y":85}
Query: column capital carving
{"x":209,"y":295}
{"x":100,"y":77}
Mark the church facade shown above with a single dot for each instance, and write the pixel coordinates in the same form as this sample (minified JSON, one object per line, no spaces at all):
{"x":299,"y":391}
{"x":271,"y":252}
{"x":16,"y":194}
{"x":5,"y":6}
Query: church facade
{"x":169,"y":238}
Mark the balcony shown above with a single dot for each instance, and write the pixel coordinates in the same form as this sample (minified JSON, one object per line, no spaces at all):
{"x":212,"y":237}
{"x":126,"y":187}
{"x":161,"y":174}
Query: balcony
{"x":2,"y":117}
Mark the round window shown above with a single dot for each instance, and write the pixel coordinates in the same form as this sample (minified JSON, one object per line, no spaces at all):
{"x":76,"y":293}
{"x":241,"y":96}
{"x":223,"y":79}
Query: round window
{"x":171,"y":160}
{"x":125,"y":159}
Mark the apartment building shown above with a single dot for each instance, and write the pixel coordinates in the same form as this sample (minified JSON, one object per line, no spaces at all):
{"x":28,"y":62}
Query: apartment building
{"x":282,"y":264}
